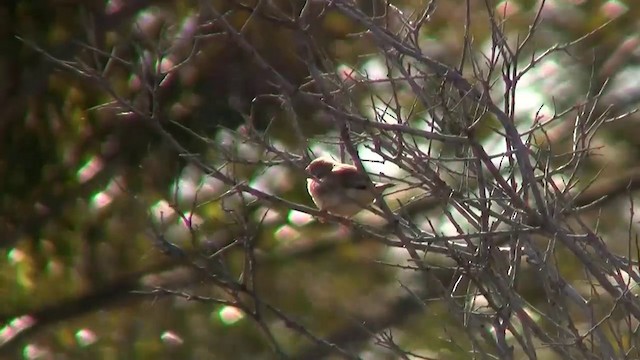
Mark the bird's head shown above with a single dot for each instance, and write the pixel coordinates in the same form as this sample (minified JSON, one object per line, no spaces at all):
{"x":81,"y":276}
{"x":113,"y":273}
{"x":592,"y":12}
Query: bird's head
{"x":320,"y":167}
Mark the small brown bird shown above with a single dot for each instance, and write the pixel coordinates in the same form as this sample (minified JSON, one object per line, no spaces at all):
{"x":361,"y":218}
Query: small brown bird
{"x":341,"y":189}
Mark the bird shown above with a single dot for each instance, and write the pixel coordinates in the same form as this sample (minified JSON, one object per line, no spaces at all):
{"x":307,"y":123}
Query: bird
{"x":341,"y":189}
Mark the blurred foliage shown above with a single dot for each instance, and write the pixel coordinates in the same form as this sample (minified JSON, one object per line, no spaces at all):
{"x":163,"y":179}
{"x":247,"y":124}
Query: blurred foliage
{"x":81,"y":182}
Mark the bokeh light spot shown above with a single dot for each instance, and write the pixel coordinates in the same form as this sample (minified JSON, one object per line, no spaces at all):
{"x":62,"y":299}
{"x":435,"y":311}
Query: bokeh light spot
{"x":230,"y":315}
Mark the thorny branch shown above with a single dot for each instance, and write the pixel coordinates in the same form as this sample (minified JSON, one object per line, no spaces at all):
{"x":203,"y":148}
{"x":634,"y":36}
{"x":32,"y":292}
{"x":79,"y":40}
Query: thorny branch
{"x":502,"y":215}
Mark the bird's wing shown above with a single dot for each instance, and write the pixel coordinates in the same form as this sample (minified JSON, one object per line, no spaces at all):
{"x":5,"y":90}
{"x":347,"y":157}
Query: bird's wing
{"x":350,"y":177}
